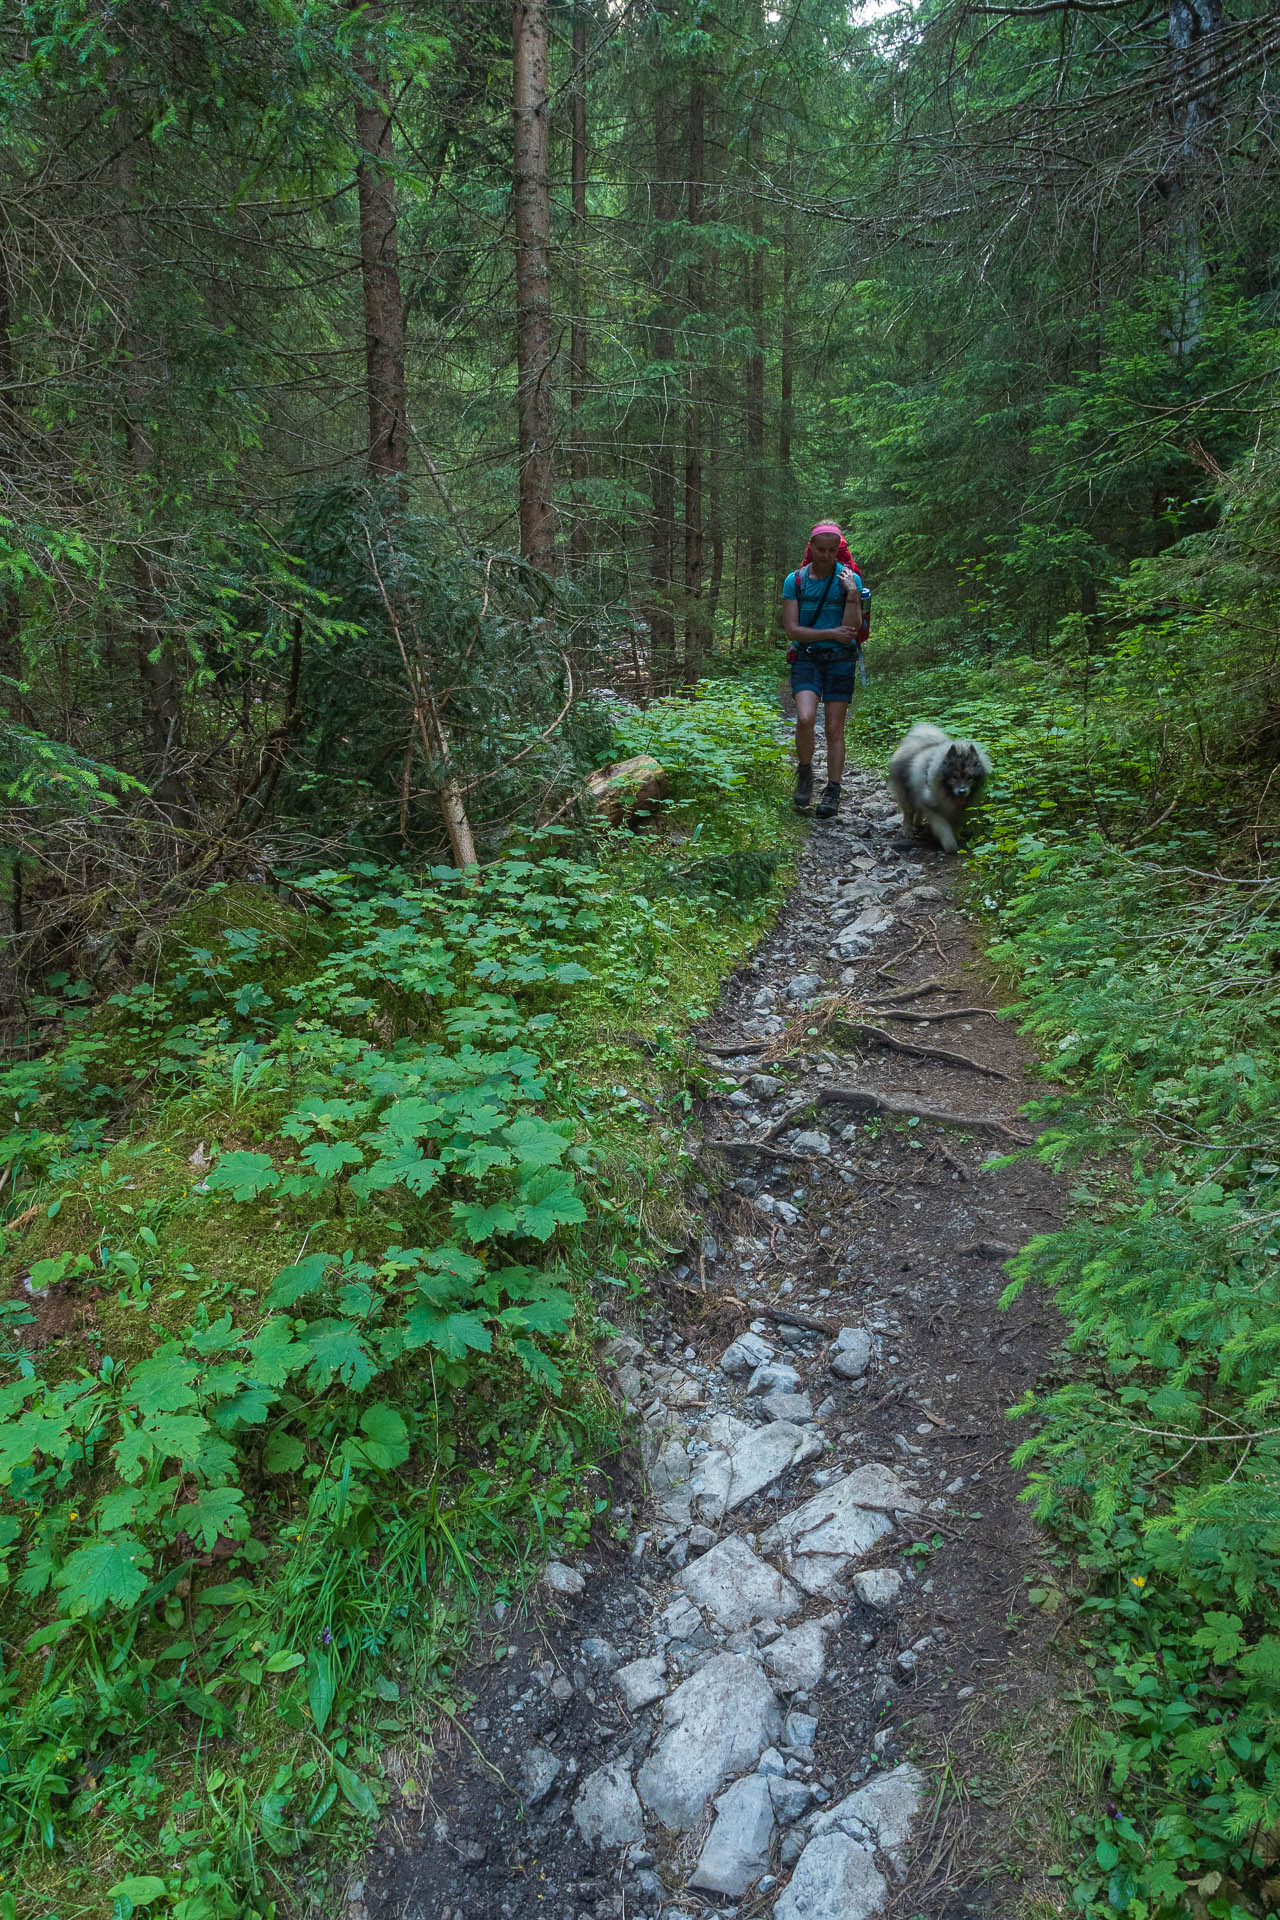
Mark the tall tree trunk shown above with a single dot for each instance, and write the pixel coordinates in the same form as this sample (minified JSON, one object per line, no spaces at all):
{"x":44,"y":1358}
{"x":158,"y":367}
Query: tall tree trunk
{"x":532,"y":184}
{"x":578,"y":333}
{"x":786,"y":375}
{"x":385,"y":393}
{"x":662,"y":475}
{"x":1193,"y":29}
{"x":11,"y":650}
{"x":158,"y":676}
{"x":696,"y":632}
{"x":754,"y":597}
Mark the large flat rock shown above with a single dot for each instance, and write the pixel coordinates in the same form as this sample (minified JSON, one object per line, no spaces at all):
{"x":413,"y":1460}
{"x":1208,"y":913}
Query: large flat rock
{"x":715,"y":1725}
{"x":727,"y":1477}
{"x":737,"y":1587}
{"x":836,"y":1878}
{"x":819,"y":1540}
{"x":879,"y":1814}
{"x":796,"y":1661}
{"x":737,"y":1851}
{"x":606,"y":1811}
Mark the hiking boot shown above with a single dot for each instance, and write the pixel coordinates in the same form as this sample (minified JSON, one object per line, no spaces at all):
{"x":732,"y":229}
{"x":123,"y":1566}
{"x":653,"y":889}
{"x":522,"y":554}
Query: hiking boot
{"x":830,"y":801}
{"x":804,"y":787}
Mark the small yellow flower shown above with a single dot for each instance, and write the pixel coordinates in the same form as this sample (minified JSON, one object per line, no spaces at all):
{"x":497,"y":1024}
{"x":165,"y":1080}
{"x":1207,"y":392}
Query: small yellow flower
{"x":74,"y":1514}
{"x":1138,"y":1580}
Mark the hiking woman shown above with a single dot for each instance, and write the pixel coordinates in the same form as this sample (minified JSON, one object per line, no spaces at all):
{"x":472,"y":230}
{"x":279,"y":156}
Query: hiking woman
{"x":822,"y":619}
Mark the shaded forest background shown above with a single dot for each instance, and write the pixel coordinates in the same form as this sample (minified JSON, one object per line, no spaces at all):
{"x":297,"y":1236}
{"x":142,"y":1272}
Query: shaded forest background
{"x":348,"y":444}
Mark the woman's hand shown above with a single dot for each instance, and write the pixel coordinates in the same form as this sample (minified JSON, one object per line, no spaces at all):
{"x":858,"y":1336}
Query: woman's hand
{"x":845,"y":633}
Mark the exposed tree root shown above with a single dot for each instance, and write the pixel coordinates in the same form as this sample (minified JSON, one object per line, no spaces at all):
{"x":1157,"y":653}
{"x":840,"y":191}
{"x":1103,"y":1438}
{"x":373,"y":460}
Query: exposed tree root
{"x":863,"y":1100}
{"x":917,"y":1047}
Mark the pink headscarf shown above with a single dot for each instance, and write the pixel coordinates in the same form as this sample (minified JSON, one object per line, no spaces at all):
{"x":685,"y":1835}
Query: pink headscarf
{"x":844,"y":557}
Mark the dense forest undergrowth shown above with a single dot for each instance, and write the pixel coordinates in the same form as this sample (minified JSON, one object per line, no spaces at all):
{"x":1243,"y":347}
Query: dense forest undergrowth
{"x":312,"y":1225}
{"x":403,"y":412}
{"x":310,"y":1228}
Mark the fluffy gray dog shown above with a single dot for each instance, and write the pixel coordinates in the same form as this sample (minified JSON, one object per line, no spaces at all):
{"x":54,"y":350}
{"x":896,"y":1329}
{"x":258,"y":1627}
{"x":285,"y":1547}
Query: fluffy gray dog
{"x":937,"y":779}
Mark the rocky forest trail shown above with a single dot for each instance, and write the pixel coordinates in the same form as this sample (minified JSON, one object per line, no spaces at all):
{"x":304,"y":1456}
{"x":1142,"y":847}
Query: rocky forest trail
{"x":759,"y":1704}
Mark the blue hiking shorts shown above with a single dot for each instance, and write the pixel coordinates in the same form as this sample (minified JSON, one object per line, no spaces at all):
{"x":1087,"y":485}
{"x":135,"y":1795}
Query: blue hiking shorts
{"x":831,"y":680}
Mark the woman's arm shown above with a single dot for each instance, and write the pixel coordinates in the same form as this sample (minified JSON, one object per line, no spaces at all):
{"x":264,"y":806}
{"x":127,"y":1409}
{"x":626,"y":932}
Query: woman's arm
{"x":794,"y":631}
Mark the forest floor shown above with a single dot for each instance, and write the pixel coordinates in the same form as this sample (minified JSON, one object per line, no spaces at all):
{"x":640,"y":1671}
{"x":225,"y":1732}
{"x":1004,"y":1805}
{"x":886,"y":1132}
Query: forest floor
{"x":814,"y":1676}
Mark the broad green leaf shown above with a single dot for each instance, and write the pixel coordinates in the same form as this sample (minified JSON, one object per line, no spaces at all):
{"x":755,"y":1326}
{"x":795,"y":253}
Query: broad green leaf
{"x":162,"y":1384}
{"x":247,"y":1409}
{"x":536,"y":1364}
{"x":551,"y":1314}
{"x":139,"y":1889}
{"x":481,"y":1158}
{"x":336,"y":1351}
{"x":329,"y":1157}
{"x":282,"y":1662}
{"x":547,"y":1201}
{"x":453,"y":1334}
{"x":217,"y":1511}
{"x":172,"y":1436}
{"x":110,"y":1572}
{"x":276,"y":1354}
{"x":321,"y":1687}
{"x":283,"y":1454}
{"x":354,"y":1791}
{"x":452,"y":1260}
{"x":536,"y":1143}
{"x":244,"y":1175}
{"x":403,"y":1166}
{"x":480,"y":1223}
{"x":413,"y":1119}
{"x":303,"y":1277}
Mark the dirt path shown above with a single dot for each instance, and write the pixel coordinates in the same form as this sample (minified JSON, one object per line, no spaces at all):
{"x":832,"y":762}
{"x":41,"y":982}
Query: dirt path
{"x":745,"y":1711}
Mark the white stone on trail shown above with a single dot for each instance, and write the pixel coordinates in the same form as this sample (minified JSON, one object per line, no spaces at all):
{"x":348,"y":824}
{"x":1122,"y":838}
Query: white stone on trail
{"x":812,"y":1142}
{"x":743,"y":1354}
{"x":641,"y":1682}
{"x":737,"y":1851}
{"x":881,"y":1812}
{"x":717,"y":1724}
{"x":723,"y":1480}
{"x":765,"y":1085}
{"x":790,"y":1798}
{"x":841,"y":1523}
{"x":669,"y":1469}
{"x":774,"y":1376}
{"x":607,"y":1812}
{"x":724,"y":1430}
{"x":737,"y":1588}
{"x":803,"y":986}
{"x":566,"y":1583}
{"x":539,"y":1771}
{"x":873,"y":919}
{"x":835,"y":1879}
{"x":681,"y":1620}
{"x":601,"y":1653}
{"x":788,"y":1406}
{"x":796,"y":1661}
{"x":799,"y":1730}
{"x":878,"y":1587}
{"x":852,"y":1354}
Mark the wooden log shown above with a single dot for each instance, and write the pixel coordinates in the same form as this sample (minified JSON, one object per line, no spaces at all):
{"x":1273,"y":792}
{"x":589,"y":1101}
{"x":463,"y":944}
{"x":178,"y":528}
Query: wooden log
{"x":618,"y":792}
